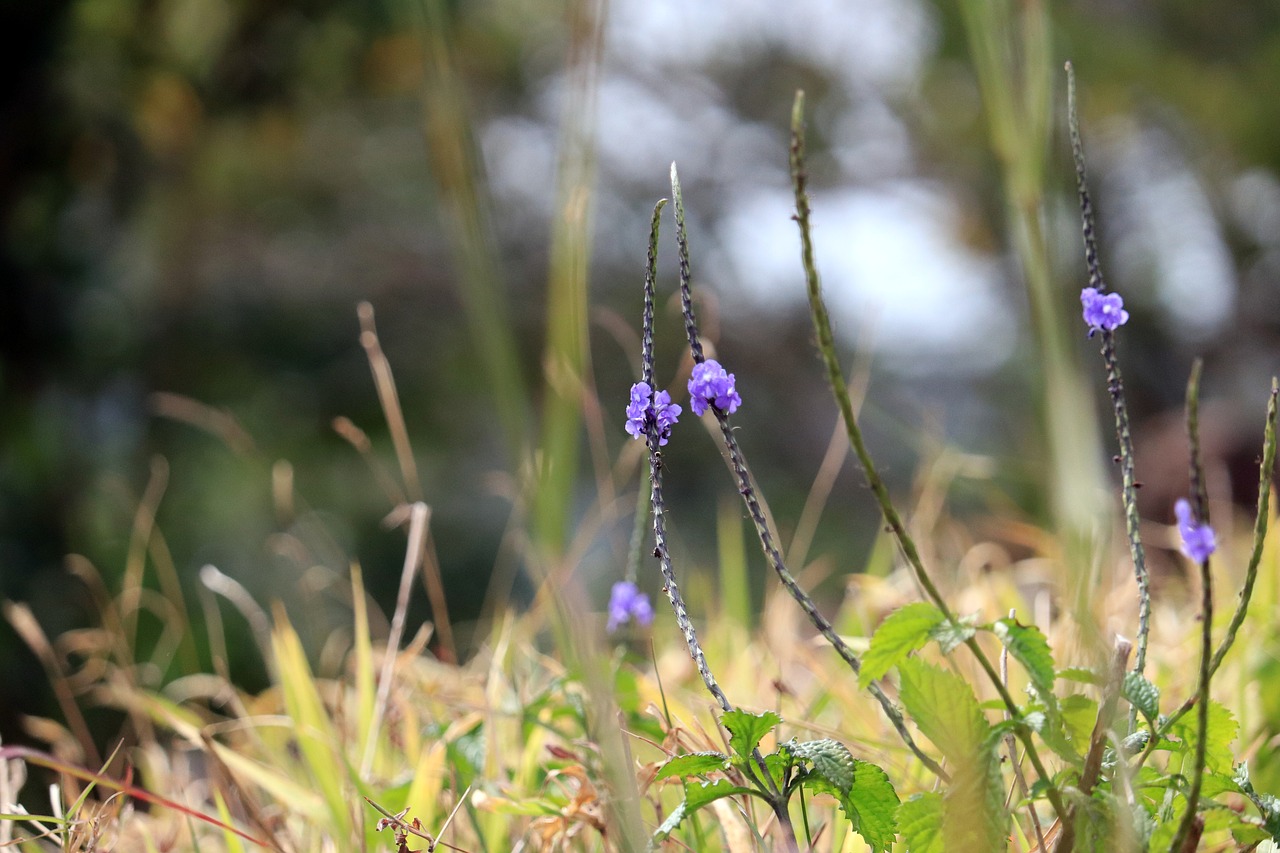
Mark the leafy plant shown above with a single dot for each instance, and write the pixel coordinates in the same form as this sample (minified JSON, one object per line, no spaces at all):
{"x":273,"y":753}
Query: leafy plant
{"x":1093,"y":778}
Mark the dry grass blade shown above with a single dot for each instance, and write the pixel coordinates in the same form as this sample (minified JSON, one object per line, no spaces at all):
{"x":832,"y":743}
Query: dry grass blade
{"x":419,"y":515}
{"x":390,"y":400}
{"x":41,"y":759}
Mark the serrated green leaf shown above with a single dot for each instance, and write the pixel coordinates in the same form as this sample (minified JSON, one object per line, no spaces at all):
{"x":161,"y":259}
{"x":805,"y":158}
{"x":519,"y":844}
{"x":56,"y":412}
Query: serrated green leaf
{"x":831,"y":760}
{"x":872,"y":806}
{"x":974,"y":813}
{"x":1215,"y":784}
{"x":1079,"y":714}
{"x":920,"y":822}
{"x":904,"y":631}
{"x":1221,"y":732}
{"x":746,"y":729}
{"x":1142,"y":694}
{"x":693,"y":764}
{"x":670,"y":825}
{"x":951,"y":634}
{"x":942,"y":704}
{"x":1080,"y":674}
{"x":779,"y":762}
{"x":1030,"y":648}
{"x":1270,"y":808}
{"x":698,"y":794}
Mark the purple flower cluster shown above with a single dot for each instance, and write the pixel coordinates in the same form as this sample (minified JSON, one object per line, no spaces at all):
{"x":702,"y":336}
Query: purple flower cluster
{"x":1102,"y":310}
{"x":1197,"y":539}
{"x":646,"y":406}
{"x":627,"y":602}
{"x":710,"y":384}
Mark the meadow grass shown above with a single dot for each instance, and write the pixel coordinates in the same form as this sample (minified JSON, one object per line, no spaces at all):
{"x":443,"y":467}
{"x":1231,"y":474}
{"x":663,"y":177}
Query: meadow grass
{"x":989,"y":704}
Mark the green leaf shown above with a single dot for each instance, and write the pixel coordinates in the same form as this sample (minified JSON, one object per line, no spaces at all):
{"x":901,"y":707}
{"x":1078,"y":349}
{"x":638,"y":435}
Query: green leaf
{"x":779,"y":762}
{"x":693,"y":764}
{"x":1270,"y":808}
{"x":1079,"y":713}
{"x":920,"y":822}
{"x":1142,"y":694}
{"x":1029,"y":646}
{"x":696,"y":795}
{"x":1217,"y":744}
{"x":1215,"y":784}
{"x":746,"y":730}
{"x":831,"y":760}
{"x":944,"y":707}
{"x":872,"y":806}
{"x":670,"y":825}
{"x":699,"y":794}
{"x":942,"y":704}
{"x":1080,"y":674}
{"x":951,"y":634}
{"x":904,"y":631}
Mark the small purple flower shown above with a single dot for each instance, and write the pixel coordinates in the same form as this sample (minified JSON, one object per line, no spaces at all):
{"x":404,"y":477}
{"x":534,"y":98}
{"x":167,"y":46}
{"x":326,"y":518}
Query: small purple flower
{"x":627,"y":602}
{"x":1102,"y":310}
{"x":646,"y":405}
{"x":1197,"y":539}
{"x":711,"y":384}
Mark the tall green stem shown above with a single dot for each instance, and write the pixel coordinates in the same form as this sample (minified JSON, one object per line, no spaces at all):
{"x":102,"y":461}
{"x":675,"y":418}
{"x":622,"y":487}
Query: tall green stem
{"x":835,"y":377}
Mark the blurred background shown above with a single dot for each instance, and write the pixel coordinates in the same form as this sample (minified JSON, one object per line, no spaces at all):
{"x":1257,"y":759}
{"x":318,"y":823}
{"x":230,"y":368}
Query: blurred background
{"x":196,"y":194}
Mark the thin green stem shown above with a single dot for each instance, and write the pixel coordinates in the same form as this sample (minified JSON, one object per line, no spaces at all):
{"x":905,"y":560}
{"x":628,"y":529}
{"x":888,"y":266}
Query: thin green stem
{"x":1115,"y":387}
{"x":1261,"y":521}
{"x":1265,"y":473}
{"x":835,"y":376}
{"x":1206,"y":621}
{"x":650,"y":285}
{"x":773,"y":795}
{"x":686,"y":276}
{"x":746,"y":488}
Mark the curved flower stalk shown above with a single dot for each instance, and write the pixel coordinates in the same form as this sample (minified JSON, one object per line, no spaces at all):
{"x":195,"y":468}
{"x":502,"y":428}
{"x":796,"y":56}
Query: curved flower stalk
{"x":651,"y":415}
{"x":1104,"y":313}
{"x":713,"y":389}
{"x":839,"y":389}
{"x":1198,"y":542}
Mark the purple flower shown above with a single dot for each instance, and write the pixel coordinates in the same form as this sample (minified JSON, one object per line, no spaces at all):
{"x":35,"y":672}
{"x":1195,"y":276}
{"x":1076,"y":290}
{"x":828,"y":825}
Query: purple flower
{"x":1197,"y":539}
{"x":627,"y":602}
{"x":710,"y":384}
{"x":646,"y":406}
{"x":1102,"y":310}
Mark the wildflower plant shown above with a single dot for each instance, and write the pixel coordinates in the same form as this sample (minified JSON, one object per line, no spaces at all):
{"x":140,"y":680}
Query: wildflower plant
{"x":1091,"y":782}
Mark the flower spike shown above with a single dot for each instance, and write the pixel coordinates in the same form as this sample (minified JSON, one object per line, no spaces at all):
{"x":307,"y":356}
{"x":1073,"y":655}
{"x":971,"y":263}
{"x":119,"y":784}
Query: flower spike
{"x":1103,"y":311}
{"x":648,"y":407}
{"x":710,"y":384}
{"x":626,"y":604}
{"x":1198,"y":541}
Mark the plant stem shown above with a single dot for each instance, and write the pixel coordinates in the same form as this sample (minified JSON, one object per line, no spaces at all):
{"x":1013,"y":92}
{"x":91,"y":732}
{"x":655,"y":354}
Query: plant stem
{"x":1265,"y":473}
{"x":1201,"y":508}
{"x":776,"y":798}
{"x":835,"y":376}
{"x":1115,"y":387}
{"x":1261,"y":521}
{"x":750,"y":497}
